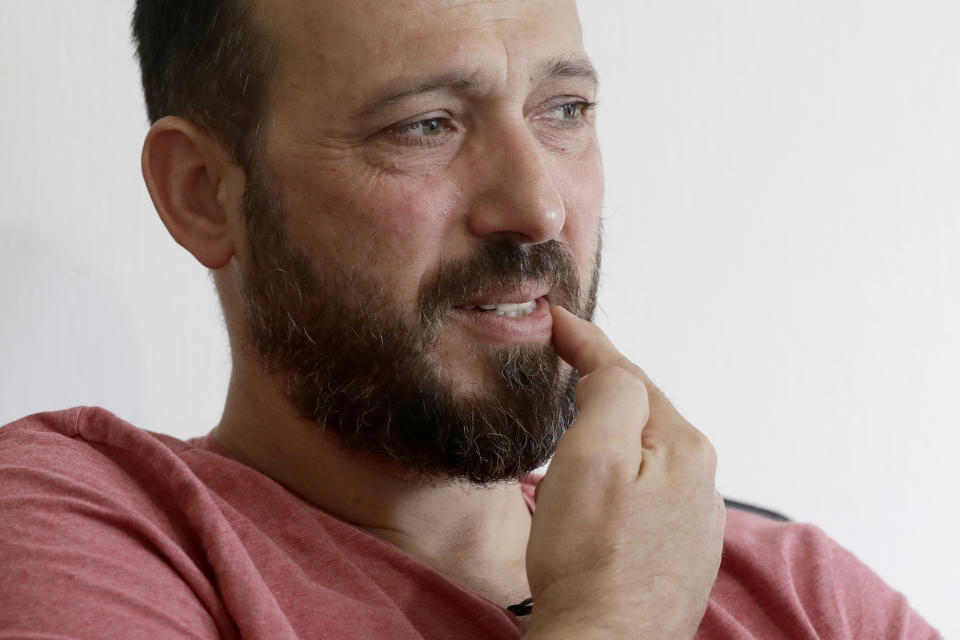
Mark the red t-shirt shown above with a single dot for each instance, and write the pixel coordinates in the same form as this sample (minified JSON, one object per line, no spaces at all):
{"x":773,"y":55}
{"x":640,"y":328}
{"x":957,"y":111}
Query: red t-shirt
{"x":109,"y":531}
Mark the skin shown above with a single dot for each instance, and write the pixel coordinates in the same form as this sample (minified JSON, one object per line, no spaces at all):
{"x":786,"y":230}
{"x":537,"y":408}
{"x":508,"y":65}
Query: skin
{"x":505,"y":167}
{"x":363,"y":186}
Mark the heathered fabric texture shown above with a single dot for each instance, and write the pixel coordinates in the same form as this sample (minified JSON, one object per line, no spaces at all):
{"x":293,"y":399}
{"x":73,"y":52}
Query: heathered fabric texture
{"x":109,"y":531}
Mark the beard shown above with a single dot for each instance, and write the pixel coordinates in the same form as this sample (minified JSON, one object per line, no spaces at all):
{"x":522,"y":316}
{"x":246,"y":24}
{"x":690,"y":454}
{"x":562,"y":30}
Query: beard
{"x":363,"y":366}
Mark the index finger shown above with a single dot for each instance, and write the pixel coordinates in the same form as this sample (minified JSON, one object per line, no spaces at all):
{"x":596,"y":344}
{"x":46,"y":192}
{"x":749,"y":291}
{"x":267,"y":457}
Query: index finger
{"x":582,"y":344}
{"x":586,"y":348}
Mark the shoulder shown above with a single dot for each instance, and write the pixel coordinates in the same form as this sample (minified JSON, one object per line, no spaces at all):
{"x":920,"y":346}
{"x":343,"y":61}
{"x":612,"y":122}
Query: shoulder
{"x":86,"y":467}
{"x":93,"y":521}
{"x":759,"y":549}
{"x":85,"y":447}
{"x":80,"y":426}
{"x":754,"y":534}
{"x":795,"y":572}
{"x":801,"y":550}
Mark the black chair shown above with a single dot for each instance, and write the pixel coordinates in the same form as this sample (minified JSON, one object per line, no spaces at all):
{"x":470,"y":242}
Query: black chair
{"x":760,"y":511}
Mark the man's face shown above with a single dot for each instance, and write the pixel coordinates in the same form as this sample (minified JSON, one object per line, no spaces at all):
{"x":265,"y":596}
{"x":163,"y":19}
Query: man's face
{"x":424,"y":159}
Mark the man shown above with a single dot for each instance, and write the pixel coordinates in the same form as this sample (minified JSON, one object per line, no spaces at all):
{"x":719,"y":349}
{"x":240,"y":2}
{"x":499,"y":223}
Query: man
{"x":400,"y":204}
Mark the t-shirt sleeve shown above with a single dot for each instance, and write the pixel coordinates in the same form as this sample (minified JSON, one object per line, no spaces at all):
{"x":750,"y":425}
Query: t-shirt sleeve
{"x":777,"y":576}
{"x":77,"y":560}
{"x":871,"y":607}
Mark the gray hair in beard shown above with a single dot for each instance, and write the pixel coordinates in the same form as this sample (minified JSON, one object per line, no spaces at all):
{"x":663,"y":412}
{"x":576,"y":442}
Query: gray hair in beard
{"x":361,"y":364}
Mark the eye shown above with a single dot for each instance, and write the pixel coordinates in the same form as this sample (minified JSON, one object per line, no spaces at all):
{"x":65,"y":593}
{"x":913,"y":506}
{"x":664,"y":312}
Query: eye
{"x":571,"y":110}
{"x":422,"y":131}
{"x":569,"y":113}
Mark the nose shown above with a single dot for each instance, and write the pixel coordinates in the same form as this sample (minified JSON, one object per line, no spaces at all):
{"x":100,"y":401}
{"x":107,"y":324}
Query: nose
{"x":516,"y":196}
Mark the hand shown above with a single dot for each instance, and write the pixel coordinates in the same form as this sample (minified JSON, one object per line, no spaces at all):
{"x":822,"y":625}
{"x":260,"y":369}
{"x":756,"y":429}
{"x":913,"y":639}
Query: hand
{"x":628,"y":530}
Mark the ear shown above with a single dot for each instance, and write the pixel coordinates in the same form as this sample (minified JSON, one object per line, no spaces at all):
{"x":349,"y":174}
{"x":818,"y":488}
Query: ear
{"x":195,"y":187}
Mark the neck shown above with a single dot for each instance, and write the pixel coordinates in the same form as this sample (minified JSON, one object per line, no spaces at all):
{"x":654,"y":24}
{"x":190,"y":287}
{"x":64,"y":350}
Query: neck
{"x":476,"y":536}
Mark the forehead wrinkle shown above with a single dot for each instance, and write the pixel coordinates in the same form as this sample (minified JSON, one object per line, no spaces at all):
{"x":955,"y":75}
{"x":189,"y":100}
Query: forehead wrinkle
{"x":417,"y":26}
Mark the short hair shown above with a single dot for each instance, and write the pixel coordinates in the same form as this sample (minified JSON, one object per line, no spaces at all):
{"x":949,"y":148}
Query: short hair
{"x":205,"y":60}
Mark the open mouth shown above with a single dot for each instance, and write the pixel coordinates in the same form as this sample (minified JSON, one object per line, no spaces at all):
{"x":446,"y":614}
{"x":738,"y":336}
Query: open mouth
{"x":506,"y":309}
{"x":516,"y":321}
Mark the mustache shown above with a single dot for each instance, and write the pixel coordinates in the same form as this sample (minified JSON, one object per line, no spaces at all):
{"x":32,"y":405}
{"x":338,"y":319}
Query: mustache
{"x":502,"y":264}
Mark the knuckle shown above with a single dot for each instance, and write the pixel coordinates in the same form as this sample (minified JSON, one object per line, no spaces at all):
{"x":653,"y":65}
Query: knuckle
{"x":708,"y":454}
{"x":699,"y":446}
{"x":694,"y":451}
{"x":615,"y":378}
{"x":626,"y":364}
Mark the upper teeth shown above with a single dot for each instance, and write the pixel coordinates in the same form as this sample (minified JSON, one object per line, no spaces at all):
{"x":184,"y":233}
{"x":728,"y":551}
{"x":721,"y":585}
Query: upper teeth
{"x":508,"y":309}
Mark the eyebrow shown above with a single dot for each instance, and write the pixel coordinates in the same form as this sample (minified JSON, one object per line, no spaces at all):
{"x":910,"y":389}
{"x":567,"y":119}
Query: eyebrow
{"x":568,"y":67}
{"x":552,"y":68}
{"x":403,"y":90}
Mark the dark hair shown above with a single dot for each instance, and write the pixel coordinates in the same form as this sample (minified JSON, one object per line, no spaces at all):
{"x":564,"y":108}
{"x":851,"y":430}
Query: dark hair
{"x":205,"y":60}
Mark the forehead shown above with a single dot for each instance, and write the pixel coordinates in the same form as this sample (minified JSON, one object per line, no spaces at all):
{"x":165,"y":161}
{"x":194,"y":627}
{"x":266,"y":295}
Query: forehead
{"x":352,"y":46}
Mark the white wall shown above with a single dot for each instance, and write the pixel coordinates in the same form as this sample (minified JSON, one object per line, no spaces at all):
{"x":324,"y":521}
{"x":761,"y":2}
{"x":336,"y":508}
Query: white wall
{"x":783,"y":195}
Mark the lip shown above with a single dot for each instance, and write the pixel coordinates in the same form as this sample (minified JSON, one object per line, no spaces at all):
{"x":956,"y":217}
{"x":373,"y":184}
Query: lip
{"x":536,"y":327}
{"x":511,"y":296}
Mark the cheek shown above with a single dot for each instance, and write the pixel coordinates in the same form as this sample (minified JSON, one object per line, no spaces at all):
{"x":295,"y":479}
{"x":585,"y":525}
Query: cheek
{"x":397,"y":227}
{"x":410,"y":221}
{"x":581,"y":187}
{"x":356,"y":209}
{"x":391,"y":228}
